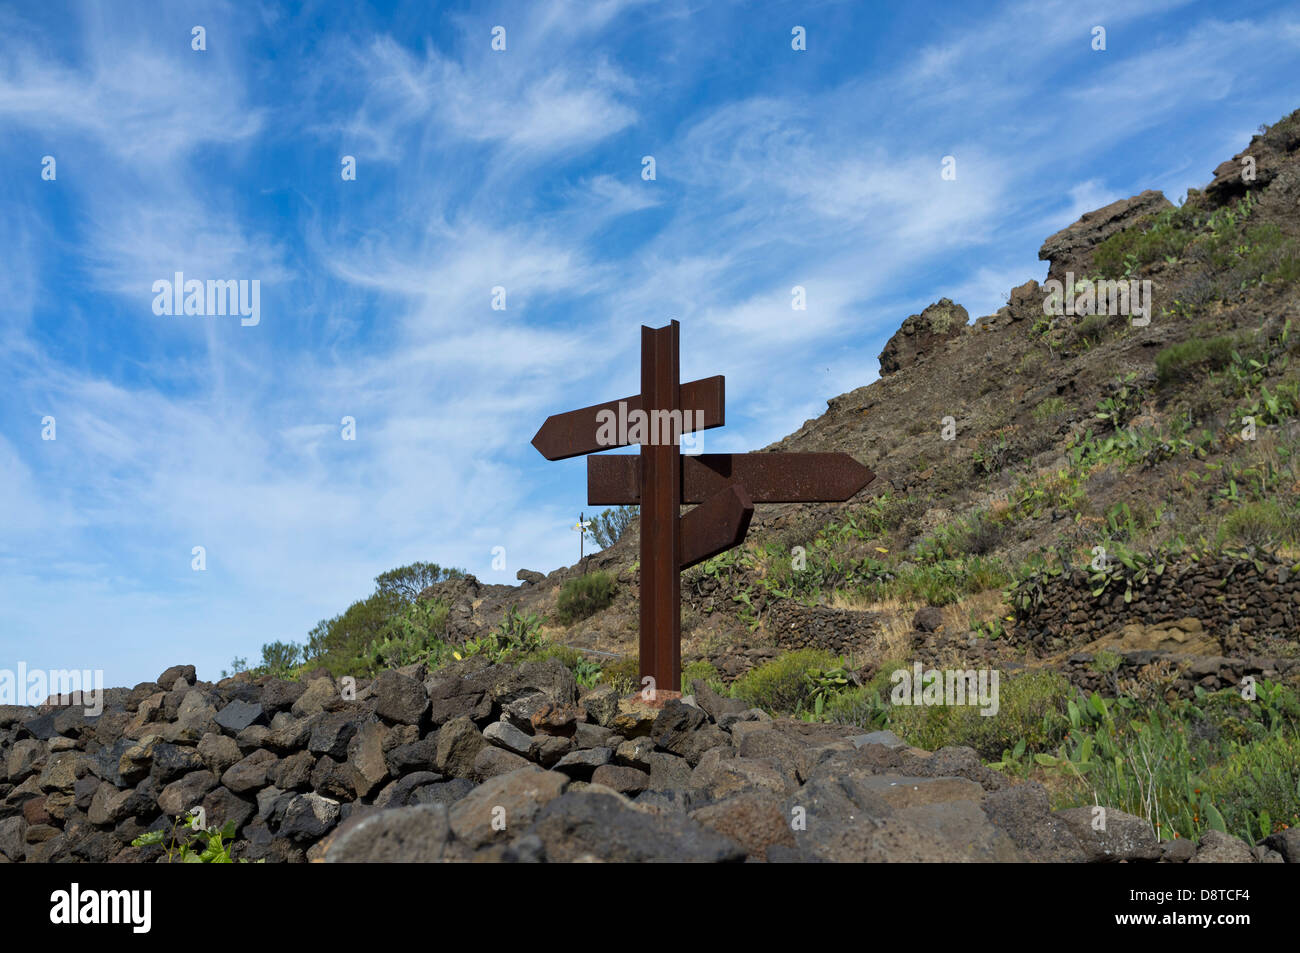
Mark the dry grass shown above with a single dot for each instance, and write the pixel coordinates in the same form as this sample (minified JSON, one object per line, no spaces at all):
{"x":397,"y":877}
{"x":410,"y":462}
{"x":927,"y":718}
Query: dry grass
{"x":855,"y":602}
{"x":981,"y":607}
{"x":895,"y":639}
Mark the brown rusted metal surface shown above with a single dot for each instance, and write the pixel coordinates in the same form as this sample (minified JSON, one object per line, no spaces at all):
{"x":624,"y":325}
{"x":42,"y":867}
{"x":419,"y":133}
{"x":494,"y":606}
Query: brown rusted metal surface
{"x":574,"y":433}
{"x":716,"y":525}
{"x":767,"y":477}
{"x":660,"y":480}
{"x":661,"y":488}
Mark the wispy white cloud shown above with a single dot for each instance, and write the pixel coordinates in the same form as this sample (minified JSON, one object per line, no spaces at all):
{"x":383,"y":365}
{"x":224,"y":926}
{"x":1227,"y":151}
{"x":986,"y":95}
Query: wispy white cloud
{"x":145,"y":103}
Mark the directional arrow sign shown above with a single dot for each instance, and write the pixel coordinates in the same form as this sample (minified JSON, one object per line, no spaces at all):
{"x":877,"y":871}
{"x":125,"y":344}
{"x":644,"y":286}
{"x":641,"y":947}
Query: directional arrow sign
{"x":576,"y":432}
{"x":615,"y":480}
{"x":716,"y":525}
{"x":660,"y":479}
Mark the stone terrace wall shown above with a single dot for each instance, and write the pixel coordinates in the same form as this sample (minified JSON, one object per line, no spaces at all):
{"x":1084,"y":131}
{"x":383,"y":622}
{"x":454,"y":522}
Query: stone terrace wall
{"x":793,"y":625}
{"x":1246,"y":611}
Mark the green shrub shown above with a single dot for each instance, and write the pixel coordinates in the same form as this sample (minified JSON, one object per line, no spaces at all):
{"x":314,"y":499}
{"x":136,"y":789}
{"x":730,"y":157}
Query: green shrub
{"x":1163,"y":235}
{"x":944,"y":582}
{"x":1263,"y":254}
{"x":389,"y":622}
{"x":1219,"y":763}
{"x":1050,"y":410}
{"x":584,"y":596}
{"x":280,"y":658}
{"x":1106,"y":661}
{"x":340,"y":642}
{"x":407,"y":582}
{"x":866,"y":706}
{"x":976,"y":535}
{"x":1176,"y":361}
{"x":1031,"y":706}
{"x":782,"y":685}
{"x":1257,"y":789}
{"x":1093,"y":327}
{"x":705,"y":672}
{"x":1263,"y":525}
{"x":412,"y":634}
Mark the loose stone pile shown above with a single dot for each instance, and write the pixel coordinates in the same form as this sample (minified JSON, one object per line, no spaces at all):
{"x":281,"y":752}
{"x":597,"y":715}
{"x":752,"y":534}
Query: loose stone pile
{"x":511,"y":763}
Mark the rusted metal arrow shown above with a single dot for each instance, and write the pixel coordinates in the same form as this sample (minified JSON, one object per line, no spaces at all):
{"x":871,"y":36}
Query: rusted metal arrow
{"x":660,"y":480}
{"x":716,"y":525}
{"x":577,"y":432}
{"x":767,"y":477}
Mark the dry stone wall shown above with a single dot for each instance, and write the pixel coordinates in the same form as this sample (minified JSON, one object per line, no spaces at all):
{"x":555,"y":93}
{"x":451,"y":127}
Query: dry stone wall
{"x":1247,"y":606}
{"x":1209,"y":622}
{"x":501,"y":763}
{"x":793,"y":625}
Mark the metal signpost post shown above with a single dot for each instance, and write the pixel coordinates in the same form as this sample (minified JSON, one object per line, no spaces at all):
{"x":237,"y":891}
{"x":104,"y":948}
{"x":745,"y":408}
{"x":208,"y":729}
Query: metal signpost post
{"x":660,"y":479}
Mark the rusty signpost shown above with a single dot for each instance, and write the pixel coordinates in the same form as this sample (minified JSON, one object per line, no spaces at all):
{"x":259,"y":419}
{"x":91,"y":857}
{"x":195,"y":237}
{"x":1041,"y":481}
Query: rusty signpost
{"x":725,"y":485}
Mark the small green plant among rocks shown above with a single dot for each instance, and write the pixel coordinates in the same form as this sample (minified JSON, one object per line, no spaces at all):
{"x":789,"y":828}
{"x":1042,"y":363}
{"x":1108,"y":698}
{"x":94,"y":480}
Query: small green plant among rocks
{"x":586,"y":672}
{"x":1050,"y":410}
{"x":784,"y":684}
{"x":825,"y":684}
{"x":1124,"y":569}
{"x":1106,"y":661}
{"x":518,"y":633}
{"x":187,"y":843}
{"x":623,"y":675}
{"x":704,"y":671}
{"x":1178,"y":360}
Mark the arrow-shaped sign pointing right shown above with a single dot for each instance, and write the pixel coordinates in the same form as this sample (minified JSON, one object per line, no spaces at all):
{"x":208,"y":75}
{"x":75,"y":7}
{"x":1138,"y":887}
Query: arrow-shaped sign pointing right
{"x":615,"y":479}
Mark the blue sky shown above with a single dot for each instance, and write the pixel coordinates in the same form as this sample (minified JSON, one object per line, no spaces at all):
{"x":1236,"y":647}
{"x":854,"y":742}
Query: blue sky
{"x":521,"y":169}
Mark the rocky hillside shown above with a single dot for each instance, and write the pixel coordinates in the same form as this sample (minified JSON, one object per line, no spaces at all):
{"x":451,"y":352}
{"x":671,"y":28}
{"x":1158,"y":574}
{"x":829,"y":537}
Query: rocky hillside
{"x":1103,"y":507}
{"x":1018,"y":443}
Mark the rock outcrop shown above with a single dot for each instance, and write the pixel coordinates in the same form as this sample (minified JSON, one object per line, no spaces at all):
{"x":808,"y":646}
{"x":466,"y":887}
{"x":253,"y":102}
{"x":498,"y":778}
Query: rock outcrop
{"x":922,"y":334}
{"x":1071,"y":248}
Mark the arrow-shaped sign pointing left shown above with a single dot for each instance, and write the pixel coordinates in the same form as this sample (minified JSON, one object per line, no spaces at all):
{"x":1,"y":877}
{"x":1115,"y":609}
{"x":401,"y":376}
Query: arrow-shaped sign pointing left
{"x":574,"y":432}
